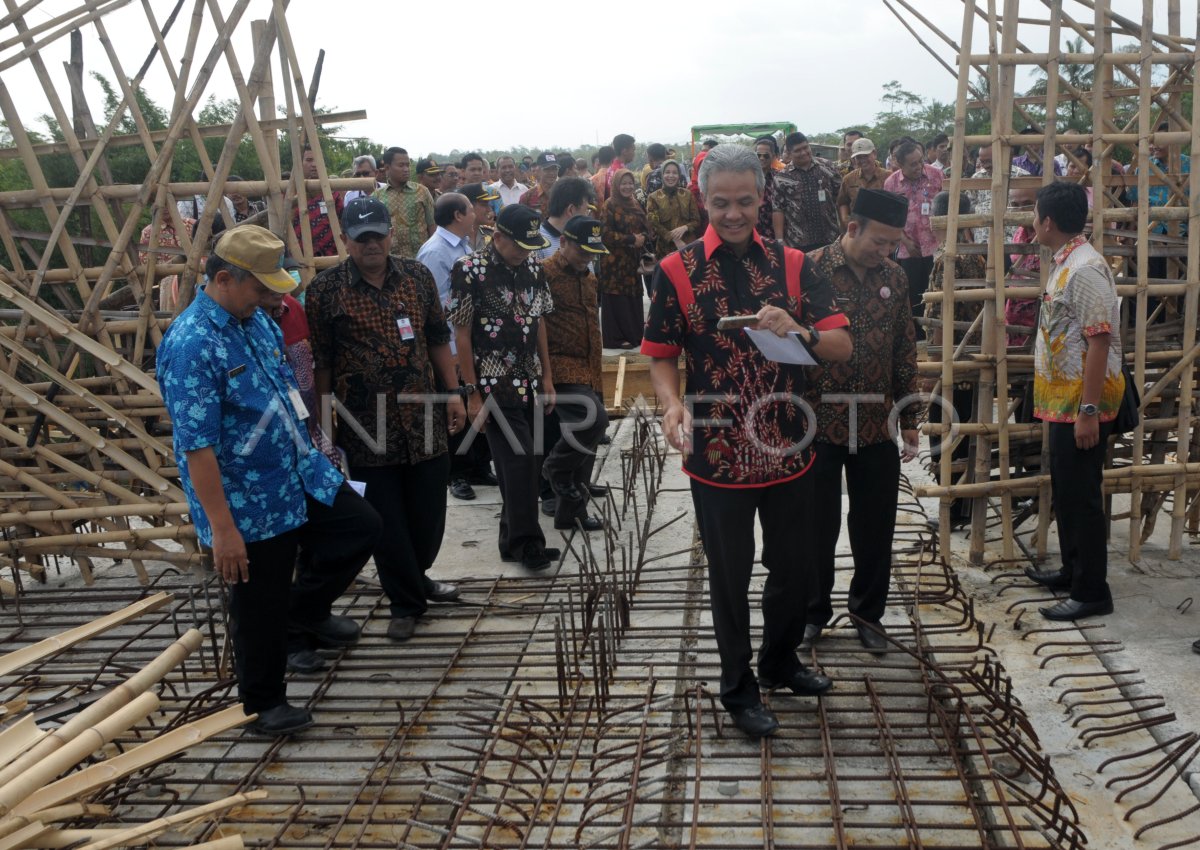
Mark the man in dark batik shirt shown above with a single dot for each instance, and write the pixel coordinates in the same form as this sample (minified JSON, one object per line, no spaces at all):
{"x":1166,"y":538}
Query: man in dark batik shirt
{"x":855,"y":401}
{"x":378,"y":333}
{"x":745,"y":449}
{"x":805,"y":203}
{"x":498,"y":296}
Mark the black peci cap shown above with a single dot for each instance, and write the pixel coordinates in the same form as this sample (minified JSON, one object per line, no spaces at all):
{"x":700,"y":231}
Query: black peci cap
{"x":884,"y":207}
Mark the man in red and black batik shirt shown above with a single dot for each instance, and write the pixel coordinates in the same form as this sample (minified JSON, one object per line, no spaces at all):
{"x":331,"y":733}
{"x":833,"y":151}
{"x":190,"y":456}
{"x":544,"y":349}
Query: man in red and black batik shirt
{"x":743,"y":429}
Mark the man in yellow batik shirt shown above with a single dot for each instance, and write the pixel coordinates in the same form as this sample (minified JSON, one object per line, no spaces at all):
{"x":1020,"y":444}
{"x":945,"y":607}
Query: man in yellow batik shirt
{"x":1077,"y":388}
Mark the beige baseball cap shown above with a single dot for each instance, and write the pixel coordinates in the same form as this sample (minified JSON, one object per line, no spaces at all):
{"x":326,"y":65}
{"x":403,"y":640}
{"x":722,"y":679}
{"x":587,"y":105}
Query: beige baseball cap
{"x":861,"y":147}
{"x":258,"y":251}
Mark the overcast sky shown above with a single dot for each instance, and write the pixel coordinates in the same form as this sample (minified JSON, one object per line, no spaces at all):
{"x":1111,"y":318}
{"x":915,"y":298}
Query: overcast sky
{"x":574,"y":75}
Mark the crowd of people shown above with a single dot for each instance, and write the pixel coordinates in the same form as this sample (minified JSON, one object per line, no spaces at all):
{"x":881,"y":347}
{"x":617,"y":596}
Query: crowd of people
{"x":459,"y":345}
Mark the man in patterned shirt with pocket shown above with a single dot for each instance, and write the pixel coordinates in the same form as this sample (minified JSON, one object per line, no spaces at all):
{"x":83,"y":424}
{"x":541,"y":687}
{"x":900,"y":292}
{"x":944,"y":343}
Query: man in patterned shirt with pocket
{"x":257,"y":488}
{"x":498,"y":296}
{"x":1077,"y":389}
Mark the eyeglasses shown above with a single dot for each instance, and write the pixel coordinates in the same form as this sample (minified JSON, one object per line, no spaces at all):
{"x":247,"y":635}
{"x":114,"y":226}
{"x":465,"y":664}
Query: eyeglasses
{"x":763,"y":156}
{"x":365,"y":238}
{"x":364,"y":174}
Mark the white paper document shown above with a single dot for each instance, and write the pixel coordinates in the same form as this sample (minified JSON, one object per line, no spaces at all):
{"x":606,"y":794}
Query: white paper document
{"x":359,"y":487}
{"x":781,"y":349}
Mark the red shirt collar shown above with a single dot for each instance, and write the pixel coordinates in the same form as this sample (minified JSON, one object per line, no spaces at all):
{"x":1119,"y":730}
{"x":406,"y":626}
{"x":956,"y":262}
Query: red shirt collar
{"x":712,"y":242}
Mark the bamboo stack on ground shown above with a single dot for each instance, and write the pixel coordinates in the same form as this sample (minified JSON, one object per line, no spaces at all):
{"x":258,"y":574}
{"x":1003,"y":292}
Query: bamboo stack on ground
{"x":1143,"y":74}
{"x":48,"y":779}
{"x":86,"y":467}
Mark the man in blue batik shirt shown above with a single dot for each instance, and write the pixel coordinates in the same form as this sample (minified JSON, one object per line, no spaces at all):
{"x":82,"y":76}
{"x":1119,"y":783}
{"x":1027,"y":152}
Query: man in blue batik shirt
{"x":257,"y":488}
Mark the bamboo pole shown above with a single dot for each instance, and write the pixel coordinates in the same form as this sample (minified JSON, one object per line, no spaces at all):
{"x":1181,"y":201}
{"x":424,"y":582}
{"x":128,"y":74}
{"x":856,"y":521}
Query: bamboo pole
{"x":16,"y":793}
{"x":157,"y":749}
{"x":17,"y":659}
{"x":1143,"y":229}
{"x":138,"y":834}
{"x":119,"y":696}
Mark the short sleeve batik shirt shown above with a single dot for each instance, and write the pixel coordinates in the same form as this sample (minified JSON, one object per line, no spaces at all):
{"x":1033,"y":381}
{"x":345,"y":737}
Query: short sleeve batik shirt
{"x":227,"y":386}
{"x":411,"y":208}
{"x":808,"y":201}
{"x":377,"y":341}
{"x":502,"y":306}
{"x":749,"y":423}
{"x":1080,"y":302}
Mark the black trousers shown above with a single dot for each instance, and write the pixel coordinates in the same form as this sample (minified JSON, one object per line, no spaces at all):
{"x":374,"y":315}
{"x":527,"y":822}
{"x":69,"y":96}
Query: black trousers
{"x":338,"y":539}
{"x":474,"y":462}
{"x":917,"y":270}
{"x":873,"y":484}
{"x":519,"y":468}
{"x":551,"y":434}
{"x":573,"y":456}
{"x":1076,"y":480}
{"x":621,"y":320}
{"x":725,"y":518}
{"x":411,"y":501}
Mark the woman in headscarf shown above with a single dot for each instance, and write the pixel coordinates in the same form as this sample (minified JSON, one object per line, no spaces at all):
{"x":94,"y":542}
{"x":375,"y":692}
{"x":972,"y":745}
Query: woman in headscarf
{"x":672,"y":212}
{"x":627,"y":236}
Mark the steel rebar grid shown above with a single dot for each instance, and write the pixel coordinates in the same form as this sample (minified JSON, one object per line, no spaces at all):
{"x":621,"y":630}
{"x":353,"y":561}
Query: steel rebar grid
{"x":548,"y":712}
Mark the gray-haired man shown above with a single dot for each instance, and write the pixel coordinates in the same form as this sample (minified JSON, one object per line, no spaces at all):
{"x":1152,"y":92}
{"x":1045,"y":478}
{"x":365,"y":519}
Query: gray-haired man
{"x":363,"y":166}
{"x":745,"y":450}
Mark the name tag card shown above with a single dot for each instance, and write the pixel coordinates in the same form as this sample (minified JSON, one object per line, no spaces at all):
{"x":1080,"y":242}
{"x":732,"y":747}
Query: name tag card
{"x":298,"y":404}
{"x":404,"y":324}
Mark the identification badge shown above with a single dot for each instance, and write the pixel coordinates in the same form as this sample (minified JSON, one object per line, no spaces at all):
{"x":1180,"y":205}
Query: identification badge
{"x":324,"y":208}
{"x":298,"y":404}
{"x":406,"y":328}
{"x":821,"y":196}
{"x":925,"y":208}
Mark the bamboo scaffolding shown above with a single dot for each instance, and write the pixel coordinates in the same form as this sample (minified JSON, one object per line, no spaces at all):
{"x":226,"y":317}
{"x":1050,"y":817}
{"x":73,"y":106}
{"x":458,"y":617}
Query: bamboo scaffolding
{"x":1131,"y":96}
{"x":84,"y":438}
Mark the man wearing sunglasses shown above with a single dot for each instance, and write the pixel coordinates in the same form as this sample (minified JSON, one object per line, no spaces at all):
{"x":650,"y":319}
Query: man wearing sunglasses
{"x":364,"y":166}
{"x":378,"y":334}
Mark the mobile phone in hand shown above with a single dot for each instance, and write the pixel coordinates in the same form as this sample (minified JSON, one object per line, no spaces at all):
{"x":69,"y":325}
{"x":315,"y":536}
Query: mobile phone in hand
{"x":733,"y":323}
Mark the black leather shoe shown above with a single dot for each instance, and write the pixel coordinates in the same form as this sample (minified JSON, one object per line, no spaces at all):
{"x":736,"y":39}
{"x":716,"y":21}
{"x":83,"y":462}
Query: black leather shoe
{"x":550,"y":552}
{"x":549,"y":506}
{"x":460,"y":489}
{"x":1069,"y":609}
{"x":536,"y":560}
{"x":757,"y":721}
{"x":485,"y":479}
{"x":811,"y":632}
{"x":440,"y":591}
{"x":401,"y":629}
{"x":1196,"y":647}
{"x":589,"y":523}
{"x":332,"y":632}
{"x":1053,"y":579}
{"x":605,"y":440}
{"x":803,"y":683}
{"x":872,"y":636}
{"x":598,"y":491}
{"x":284,"y":719}
{"x":305,"y":661}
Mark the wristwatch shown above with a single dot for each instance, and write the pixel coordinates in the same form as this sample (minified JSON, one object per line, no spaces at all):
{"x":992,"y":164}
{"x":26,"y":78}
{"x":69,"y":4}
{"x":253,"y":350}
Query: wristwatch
{"x":814,"y":336}
{"x":463,"y":390}
{"x":1088,"y":409}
